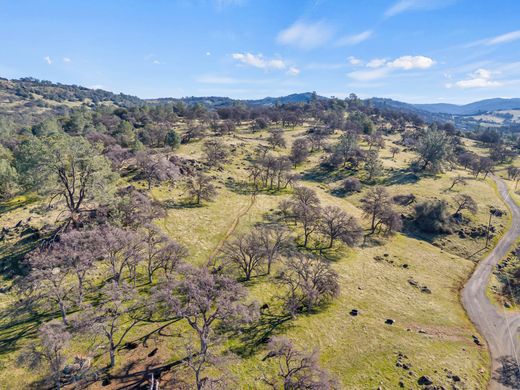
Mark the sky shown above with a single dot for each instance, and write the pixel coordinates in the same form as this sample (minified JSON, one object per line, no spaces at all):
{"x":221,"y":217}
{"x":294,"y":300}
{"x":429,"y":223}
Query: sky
{"x":417,"y":51}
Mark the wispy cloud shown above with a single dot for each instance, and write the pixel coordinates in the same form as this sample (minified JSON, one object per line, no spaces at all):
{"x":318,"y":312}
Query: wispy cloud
{"x":354,"y":61}
{"x":497,"y":40}
{"x":381,"y":67}
{"x":481,"y":78}
{"x":293,"y":71}
{"x":376,"y":63}
{"x":48,"y":60}
{"x":67,"y":60}
{"x":305,"y":35}
{"x":354,"y":39}
{"x":259,"y":61}
{"x":152,"y":58}
{"x":415,"y":5}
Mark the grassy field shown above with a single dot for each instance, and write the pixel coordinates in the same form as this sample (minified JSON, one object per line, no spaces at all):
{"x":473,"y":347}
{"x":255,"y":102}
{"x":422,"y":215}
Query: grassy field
{"x":430,"y":329}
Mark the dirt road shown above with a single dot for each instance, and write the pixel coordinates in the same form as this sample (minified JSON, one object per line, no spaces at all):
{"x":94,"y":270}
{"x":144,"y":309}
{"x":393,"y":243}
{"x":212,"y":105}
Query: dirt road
{"x":498,"y":327}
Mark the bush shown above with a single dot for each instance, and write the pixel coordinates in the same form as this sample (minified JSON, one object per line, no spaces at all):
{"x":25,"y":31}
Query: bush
{"x":351,"y":184}
{"x":432,"y":216}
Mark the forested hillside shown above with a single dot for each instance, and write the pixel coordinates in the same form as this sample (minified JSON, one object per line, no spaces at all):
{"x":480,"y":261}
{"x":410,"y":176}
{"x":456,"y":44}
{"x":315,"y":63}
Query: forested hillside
{"x":311,"y":245}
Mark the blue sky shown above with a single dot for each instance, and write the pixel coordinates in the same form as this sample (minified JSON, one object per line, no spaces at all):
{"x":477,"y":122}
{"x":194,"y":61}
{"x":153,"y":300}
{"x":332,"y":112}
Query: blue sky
{"x":412,"y":50}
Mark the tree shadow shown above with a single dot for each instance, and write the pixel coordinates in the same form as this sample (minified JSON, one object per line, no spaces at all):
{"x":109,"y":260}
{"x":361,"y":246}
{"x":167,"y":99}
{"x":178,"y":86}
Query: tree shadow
{"x":260,"y":332}
{"x":239,"y":187}
{"x":11,"y":256}
{"x":320,"y":174}
{"x":185,"y":204}
{"x":508,"y":374}
{"x":402,"y":176}
{"x":16,"y":203}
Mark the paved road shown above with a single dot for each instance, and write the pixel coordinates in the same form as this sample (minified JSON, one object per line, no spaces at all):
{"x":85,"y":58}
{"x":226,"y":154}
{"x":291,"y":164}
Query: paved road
{"x":499,"y":328}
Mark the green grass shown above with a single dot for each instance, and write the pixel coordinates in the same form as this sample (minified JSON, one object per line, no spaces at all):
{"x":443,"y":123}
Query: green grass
{"x":432,"y":330}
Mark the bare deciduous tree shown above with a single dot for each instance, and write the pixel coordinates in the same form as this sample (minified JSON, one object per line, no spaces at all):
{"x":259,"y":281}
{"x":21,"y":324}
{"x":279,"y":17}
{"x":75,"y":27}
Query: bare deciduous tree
{"x":296,"y":370}
{"x":202,"y":299}
{"x":53,"y":338}
{"x":337,"y":224}
{"x":308,"y":282}
{"x":457,"y":180}
{"x":465,"y":202}
{"x":274,"y":240}
{"x":245,"y":253}
{"x":216,"y":152}
{"x":201,"y":187}
{"x":160,"y":252}
{"x":49,"y":279}
{"x":276,"y":139}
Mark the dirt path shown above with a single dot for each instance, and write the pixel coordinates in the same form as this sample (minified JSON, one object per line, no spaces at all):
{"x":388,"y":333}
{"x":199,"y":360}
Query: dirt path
{"x":499,"y":328}
{"x":231,"y":228}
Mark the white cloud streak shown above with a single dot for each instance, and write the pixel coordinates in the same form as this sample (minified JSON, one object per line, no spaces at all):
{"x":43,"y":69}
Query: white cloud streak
{"x":48,"y":60}
{"x":259,"y":61}
{"x":415,"y":5}
{"x":380,"y":67}
{"x":305,"y":35}
{"x":354,"y":39}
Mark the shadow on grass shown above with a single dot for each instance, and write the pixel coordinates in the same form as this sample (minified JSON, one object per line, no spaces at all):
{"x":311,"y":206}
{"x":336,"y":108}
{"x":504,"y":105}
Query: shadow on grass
{"x":402,"y":176}
{"x":508,"y":374}
{"x":16,"y":203}
{"x":320,"y":174}
{"x":186,"y":204}
{"x":20,"y":321}
{"x":260,"y":332}
{"x":11,"y":256}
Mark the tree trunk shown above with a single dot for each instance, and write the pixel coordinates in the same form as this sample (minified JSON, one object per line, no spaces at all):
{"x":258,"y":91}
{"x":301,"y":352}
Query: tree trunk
{"x":63,"y":313}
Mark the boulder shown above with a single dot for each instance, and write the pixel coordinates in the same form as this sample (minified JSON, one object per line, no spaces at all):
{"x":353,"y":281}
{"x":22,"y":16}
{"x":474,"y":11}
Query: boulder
{"x":424,"y":381}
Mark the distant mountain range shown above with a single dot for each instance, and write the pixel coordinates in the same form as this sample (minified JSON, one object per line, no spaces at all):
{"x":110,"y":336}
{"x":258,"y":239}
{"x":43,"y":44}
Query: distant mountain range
{"x":475,"y":108}
{"x":21,"y":96}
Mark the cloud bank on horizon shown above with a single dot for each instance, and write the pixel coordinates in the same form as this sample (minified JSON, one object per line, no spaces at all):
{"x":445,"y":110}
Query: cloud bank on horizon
{"x":412,"y":50}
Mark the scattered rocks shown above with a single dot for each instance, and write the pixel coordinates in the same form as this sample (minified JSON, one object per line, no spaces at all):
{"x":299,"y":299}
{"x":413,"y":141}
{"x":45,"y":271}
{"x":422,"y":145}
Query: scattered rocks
{"x":415,"y":283}
{"x":476,"y":340}
{"x":354,"y":312}
{"x":389,"y":321}
{"x":426,"y":290}
{"x":424,"y":381}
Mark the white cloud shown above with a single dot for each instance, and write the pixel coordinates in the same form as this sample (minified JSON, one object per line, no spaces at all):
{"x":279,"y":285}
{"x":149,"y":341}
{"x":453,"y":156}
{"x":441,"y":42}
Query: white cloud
{"x":412,"y":62}
{"x":293,"y":71}
{"x":481,"y":78}
{"x":381,"y":67}
{"x":48,"y":60}
{"x":305,"y":35}
{"x":354,"y":61}
{"x":376,"y":63}
{"x":504,"y":38}
{"x":67,"y":60}
{"x":156,"y":62}
{"x":258,"y":61}
{"x":415,"y":5}
{"x":369,"y":75}
{"x":208,"y":53}
{"x":355,"y":39}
